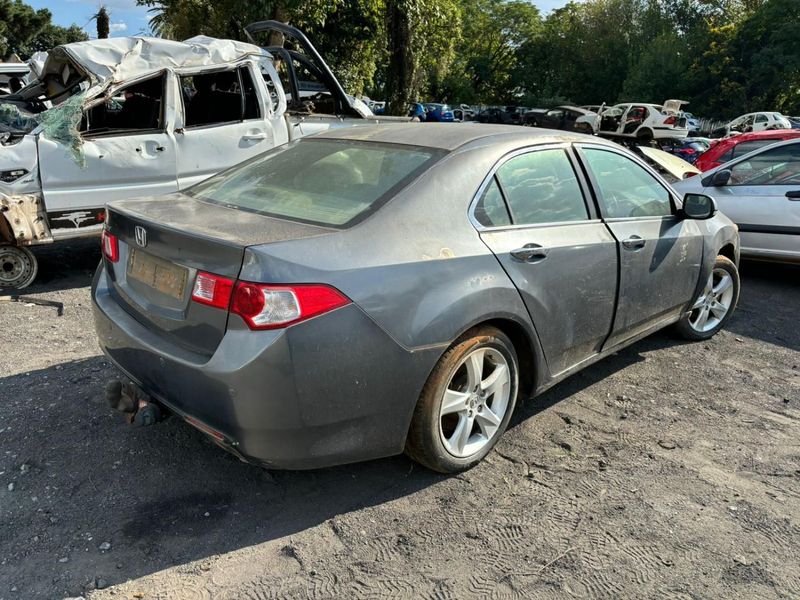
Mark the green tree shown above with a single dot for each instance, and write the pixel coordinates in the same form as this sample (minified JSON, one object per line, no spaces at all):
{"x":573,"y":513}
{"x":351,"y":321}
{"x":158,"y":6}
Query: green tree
{"x":103,"y":23}
{"x":24,"y":30}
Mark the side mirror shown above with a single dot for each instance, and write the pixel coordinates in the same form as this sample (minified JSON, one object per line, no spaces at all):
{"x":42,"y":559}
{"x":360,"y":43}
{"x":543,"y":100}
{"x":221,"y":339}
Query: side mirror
{"x":793,"y":195}
{"x":699,"y":206}
{"x":718,"y":179}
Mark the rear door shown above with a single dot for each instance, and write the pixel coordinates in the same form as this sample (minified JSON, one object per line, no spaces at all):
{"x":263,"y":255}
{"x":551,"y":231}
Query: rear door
{"x":225,"y":119}
{"x":755,"y":198}
{"x":534,"y":216}
{"x":660,"y":253}
{"x":124,"y":150}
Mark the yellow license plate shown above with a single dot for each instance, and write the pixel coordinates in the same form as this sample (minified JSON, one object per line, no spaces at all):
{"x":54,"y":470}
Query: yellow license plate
{"x":161,"y":275}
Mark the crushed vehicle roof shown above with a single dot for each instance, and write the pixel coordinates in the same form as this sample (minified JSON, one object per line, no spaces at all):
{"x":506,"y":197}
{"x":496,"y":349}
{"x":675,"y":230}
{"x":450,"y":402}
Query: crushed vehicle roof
{"x":126,"y":57}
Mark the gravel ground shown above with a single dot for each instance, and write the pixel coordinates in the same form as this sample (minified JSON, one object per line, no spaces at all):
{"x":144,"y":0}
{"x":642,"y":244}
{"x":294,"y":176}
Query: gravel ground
{"x":670,"y":470}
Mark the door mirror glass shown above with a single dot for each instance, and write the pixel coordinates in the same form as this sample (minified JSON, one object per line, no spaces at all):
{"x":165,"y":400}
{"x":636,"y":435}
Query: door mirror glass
{"x":699,"y":206}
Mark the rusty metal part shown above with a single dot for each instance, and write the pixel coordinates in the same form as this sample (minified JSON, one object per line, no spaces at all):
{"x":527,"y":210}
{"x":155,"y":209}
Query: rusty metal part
{"x":25,"y":219}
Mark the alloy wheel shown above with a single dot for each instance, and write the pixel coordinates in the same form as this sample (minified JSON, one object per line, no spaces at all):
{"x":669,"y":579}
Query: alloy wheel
{"x":475,"y":402}
{"x":714,"y":302}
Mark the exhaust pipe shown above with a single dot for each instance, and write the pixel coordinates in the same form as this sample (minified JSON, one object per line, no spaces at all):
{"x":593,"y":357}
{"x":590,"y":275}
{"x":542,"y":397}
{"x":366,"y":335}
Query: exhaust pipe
{"x":128,"y":398}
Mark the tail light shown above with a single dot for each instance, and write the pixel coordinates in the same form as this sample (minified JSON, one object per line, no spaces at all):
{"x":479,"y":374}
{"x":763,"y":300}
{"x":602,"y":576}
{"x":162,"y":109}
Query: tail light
{"x":212,"y":290}
{"x":669,"y":121}
{"x":110,"y":245}
{"x":273,"y":307}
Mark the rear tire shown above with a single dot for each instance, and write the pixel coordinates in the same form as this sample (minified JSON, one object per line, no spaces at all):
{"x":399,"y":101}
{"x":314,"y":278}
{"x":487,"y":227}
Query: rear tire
{"x":715,"y":305}
{"x":18,"y":267}
{"x":466,"y":403}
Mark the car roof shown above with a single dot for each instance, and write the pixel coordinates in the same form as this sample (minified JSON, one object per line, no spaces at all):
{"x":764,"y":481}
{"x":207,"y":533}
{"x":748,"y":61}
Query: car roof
{"x":450,"y":136}
{"x":770,"y":134}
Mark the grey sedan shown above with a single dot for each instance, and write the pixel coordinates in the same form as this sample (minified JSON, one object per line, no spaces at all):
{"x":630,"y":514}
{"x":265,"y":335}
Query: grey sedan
{"x":374,"y":290}
{"x":760,"y":192}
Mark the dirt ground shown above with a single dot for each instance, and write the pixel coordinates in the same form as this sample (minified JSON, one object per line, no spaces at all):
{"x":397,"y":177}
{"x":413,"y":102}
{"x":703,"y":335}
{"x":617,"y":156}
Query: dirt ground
{"x":670,"y":470}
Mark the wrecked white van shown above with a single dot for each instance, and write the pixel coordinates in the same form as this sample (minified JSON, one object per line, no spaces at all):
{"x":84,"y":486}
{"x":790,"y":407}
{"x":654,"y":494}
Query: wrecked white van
{"x":115,"y":118}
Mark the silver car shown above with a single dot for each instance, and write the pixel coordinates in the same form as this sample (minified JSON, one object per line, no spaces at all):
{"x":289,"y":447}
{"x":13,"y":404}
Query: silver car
{"x":374,"y":290}
{"x":760,"y":192}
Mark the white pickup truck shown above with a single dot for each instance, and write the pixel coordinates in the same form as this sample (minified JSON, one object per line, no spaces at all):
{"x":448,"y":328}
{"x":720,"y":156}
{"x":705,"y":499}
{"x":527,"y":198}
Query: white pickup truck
{"x":134,"y":116}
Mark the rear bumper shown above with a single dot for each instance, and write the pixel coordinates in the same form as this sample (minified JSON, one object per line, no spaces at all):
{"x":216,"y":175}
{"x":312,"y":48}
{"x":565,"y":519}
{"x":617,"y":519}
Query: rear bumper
{"x":332,"y":390}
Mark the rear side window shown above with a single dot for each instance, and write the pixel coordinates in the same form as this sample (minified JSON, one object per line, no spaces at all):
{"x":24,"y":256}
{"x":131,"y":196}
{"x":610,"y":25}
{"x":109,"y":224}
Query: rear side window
{"x":323,"y":182}
{"x":626,"y":189}
{"x":491,"y":211}
{"x":541,"y":187}
{"x":219,"y":97}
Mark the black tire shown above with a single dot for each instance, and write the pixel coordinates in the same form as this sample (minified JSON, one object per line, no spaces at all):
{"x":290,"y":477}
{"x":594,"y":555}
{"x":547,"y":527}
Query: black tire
{"x":644,"y":137}
{"x":18,"y":267}
{"x":424,"y":443}
{"x":684,"y":327}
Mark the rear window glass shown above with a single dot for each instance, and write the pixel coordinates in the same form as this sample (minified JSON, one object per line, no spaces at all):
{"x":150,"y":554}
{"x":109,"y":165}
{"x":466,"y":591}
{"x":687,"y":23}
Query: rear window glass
{"x":323,"y":182}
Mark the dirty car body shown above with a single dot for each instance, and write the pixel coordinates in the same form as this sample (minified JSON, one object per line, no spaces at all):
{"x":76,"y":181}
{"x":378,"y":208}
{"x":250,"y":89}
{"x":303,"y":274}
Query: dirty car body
{"x":402,"y":269}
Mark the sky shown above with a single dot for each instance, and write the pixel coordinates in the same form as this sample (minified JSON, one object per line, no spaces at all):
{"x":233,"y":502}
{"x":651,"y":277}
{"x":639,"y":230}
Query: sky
{"x":129,"y":19}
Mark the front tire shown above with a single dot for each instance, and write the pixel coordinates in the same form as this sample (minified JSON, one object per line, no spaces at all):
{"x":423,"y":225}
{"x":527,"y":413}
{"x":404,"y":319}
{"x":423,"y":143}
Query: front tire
{"x":715,"y":304}
{"x":18,"y":267}
{"x":466,"y":403}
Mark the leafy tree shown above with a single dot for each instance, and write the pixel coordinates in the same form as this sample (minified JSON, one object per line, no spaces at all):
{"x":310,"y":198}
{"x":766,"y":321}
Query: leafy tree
{"x":24,"y":30}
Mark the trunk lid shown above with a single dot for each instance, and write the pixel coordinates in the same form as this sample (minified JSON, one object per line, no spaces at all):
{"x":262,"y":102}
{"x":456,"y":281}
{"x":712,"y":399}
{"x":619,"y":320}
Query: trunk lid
{"x":164,"y":242}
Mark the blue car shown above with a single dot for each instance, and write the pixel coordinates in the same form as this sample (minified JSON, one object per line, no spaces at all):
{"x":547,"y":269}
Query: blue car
{"x":438,"y":113}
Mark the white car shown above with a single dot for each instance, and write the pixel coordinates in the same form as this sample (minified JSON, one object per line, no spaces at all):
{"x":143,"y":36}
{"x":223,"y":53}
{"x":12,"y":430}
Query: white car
{"x":10,"y":72}
{"x":137,"y":116}
{"x":636,"y":120}
{"x":759,"y":121}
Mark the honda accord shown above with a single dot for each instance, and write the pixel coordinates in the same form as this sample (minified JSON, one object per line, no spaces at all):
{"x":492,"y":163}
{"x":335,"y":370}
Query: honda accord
{"x":375,"y":290}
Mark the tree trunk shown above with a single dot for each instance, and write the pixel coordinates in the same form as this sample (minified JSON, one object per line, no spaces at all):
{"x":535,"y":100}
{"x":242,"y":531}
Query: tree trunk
{"x":400,"y":74}
{"x":279,"y":13}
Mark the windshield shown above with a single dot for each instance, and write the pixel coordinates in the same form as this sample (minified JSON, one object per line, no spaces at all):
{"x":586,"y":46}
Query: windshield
{"x":333,"y":183}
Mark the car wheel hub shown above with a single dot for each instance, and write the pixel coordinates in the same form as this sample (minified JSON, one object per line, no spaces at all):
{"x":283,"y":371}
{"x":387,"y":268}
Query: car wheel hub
{"x":713,"y":305}
{"x":14,"y":266}
{"x":475,"y":402}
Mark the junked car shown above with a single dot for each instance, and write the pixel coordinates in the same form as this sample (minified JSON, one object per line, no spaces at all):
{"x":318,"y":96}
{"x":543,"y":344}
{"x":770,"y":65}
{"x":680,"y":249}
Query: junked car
{"x":560,"y":117}
{"x":639,"y":121}
{"x":738,"y":145}
{"x":372,"y":290}
{"x":136,"y":116}
{"x":760,"y":192}
{"x":759,"y":121}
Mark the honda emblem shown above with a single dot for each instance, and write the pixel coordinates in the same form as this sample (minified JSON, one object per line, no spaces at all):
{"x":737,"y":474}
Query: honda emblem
{"x":141,"y":235}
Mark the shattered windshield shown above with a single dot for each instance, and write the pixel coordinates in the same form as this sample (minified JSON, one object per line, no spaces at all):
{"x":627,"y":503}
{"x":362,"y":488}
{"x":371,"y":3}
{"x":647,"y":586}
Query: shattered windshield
{"x":15,"y":119}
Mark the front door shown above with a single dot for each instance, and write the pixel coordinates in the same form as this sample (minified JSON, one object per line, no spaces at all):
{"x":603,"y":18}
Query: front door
{"x":534,"y":217}
{"x":755,"y":198}
{"x":123,"y":150}
{"x":660,"y":253}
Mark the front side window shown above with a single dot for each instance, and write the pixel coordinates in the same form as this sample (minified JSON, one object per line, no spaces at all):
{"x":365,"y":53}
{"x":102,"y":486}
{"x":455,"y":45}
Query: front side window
{"x":133,"y":108}
{"x":541,"y":187}
{"x":776,"y":166}
{"x":626,"y":188}
{"x":323,"y":182}
{"x":747,"y":147}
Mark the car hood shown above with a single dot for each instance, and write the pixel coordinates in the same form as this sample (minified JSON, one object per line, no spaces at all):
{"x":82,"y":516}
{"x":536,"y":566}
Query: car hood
{"x":675,"y":166}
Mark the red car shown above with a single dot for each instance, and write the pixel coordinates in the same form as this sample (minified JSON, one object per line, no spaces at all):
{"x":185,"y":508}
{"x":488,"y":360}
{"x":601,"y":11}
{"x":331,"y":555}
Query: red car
{"x":738,"y":145}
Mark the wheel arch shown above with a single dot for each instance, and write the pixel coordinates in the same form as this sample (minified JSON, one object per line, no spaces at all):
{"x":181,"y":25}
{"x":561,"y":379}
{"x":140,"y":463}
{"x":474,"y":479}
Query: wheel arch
{"x":729,"y":251}
{"x":6,"y":232}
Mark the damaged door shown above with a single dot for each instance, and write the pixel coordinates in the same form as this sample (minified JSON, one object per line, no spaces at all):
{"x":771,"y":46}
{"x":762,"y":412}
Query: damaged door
{"x":224,"y":121}
{"x":122,"y":148}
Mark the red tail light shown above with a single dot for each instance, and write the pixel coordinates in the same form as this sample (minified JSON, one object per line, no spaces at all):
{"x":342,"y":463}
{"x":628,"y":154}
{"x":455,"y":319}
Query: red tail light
{"x":110,"y":245}
{"x":212,"y":290}
{"x":273,"y":307}
{"x":669,"y":121}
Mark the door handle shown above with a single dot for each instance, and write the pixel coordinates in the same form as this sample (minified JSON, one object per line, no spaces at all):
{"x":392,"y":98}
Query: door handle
{"x":255,"y":137}
{"x":793,"y":195}
{"x":634,"y":242}
{"x":530,"y":253}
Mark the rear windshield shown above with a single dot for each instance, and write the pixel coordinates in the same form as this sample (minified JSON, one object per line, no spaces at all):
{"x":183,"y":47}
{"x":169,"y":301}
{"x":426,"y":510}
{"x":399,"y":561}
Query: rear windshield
{"x":334,"y":183}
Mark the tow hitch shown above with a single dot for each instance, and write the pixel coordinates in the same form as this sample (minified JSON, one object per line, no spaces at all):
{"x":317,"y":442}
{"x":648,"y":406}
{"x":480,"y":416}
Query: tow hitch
{"x":139,"y":409}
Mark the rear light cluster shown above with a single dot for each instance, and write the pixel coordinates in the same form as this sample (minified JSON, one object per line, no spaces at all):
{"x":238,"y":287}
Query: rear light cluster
{"x":669,"y":121}
{"x":110,"y":245}
{"x":264,"y":306}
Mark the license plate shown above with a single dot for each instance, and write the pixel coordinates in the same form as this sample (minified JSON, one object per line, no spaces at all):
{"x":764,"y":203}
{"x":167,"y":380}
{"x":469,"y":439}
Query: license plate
{"x":157,"y":273}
